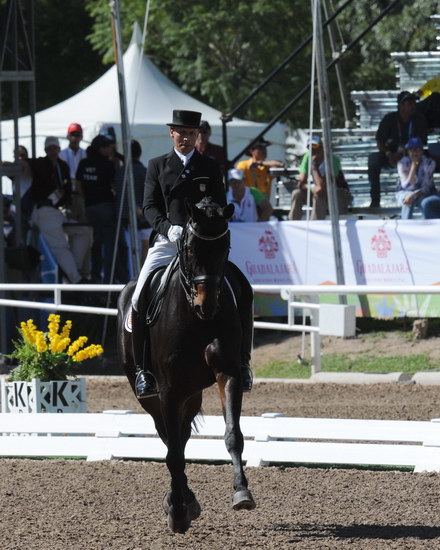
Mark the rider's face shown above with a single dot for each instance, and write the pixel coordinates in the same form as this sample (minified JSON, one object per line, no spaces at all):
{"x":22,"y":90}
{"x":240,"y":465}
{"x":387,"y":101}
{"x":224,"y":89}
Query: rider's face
{"x":184,"y":138}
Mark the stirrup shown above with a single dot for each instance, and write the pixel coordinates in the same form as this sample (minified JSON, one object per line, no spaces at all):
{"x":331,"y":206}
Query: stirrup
{"x":247,"y":378}
{"x":145,"y":384}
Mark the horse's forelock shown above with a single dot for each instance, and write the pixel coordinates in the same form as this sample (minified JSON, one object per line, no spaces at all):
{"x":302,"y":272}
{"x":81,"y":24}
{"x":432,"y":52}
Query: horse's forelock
{"x":209,"y":208}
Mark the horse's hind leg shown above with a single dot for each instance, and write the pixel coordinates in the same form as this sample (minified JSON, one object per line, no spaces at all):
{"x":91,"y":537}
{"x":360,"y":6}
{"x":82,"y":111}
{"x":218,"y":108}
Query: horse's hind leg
{"x":231,"y":396}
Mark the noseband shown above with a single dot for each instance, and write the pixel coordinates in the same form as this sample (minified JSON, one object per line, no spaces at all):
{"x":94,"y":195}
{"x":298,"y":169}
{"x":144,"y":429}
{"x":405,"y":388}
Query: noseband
{"x":187,"y":279}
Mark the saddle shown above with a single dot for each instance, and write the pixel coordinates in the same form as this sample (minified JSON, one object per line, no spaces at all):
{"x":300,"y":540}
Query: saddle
{"x":152,"y":295}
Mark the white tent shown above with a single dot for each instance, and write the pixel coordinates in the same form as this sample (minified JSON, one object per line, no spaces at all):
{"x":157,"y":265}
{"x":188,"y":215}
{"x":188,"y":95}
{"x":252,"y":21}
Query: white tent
{"x":151,"y":97}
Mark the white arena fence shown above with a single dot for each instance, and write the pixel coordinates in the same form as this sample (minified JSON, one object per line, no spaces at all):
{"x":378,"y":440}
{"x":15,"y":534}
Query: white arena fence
{"x":269,"y":439}
{"x":329,"y":319}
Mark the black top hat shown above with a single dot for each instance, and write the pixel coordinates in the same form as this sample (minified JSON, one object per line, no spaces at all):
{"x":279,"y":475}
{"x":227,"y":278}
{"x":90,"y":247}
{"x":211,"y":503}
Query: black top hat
{"x":188,"y":119}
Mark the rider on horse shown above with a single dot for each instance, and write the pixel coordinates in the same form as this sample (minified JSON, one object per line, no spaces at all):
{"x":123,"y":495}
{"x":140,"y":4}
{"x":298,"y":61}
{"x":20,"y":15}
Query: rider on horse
{"x":180,"y":174}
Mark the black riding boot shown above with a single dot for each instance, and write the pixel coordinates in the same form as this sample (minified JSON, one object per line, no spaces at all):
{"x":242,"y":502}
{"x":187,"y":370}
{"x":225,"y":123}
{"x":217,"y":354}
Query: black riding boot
{"x":145,"y":384}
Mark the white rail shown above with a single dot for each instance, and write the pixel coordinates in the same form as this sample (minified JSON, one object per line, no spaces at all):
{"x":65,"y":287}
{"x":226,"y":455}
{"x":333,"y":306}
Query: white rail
{"x":271,"y":439}
{"x":284,"y":290}
{"x":287,"y":292}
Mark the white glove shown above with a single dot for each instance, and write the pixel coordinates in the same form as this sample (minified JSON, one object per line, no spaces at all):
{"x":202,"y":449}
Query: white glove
{"x":174,"y":233}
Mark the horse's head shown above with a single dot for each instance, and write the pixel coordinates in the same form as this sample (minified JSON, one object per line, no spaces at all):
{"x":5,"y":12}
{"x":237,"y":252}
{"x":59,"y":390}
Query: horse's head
{"x":203,"y":252}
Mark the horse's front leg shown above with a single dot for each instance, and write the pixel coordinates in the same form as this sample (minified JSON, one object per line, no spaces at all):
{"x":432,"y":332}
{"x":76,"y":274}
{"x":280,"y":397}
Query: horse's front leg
{"x":175,"y":504}
{"x":180,"y":504}
{"x":231,"y":396}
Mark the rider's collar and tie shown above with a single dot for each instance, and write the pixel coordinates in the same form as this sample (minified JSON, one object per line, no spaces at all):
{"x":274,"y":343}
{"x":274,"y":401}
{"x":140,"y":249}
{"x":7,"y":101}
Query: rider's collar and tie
{"x":184,"y":158}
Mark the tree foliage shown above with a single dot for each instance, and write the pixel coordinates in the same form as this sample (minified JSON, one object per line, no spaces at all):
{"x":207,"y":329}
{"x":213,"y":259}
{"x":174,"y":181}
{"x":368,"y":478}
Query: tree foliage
{"x":64,"y":61}
{"x":220,"y":50}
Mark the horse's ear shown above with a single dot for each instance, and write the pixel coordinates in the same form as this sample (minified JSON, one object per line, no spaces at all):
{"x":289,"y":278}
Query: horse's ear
{"x":228,"y":211}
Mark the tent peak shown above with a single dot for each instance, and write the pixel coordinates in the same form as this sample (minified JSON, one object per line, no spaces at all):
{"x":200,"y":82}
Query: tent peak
{"x":136,"y":37}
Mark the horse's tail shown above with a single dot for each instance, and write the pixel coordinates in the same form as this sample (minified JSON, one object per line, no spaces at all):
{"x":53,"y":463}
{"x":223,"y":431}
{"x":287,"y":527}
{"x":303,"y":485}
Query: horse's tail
{"x":198,"y":420}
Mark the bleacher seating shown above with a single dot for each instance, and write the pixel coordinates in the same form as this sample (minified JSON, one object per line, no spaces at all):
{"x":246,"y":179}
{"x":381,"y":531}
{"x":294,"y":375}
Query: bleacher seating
{"x":415,"y":68}
{"x":353,"y":145}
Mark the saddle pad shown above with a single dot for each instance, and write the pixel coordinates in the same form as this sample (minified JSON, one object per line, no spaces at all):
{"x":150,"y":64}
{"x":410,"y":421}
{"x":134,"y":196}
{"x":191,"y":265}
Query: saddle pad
{"x":156,"y":281}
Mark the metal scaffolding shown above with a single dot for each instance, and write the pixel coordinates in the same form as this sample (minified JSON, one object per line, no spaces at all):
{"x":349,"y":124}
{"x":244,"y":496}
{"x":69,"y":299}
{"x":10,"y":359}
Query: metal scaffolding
{"x":17,"y":73}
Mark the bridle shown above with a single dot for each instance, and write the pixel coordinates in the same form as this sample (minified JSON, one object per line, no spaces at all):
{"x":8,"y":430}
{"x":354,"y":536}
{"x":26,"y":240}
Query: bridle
{"x":187,"y":278}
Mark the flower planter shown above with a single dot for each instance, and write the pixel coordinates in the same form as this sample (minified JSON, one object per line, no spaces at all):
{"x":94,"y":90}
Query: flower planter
{"x":56,"y":396}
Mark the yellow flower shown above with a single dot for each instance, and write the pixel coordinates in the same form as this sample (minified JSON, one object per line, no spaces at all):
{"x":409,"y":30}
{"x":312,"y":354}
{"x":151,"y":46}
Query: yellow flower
{"x":53,"y":325}
{"x":28,"y":330}
{"x":88,"y":352}
{"x":65,"y":333}
{"x":52,"y":350}
{"x":54,"y":343}
{"x":62,"y":344}
{"x":40,"y":342}
{"x":79,"y":343}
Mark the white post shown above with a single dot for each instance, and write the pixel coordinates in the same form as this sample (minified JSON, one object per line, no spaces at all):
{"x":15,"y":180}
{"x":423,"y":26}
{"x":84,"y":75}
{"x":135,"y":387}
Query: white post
{"x":315,"y":341}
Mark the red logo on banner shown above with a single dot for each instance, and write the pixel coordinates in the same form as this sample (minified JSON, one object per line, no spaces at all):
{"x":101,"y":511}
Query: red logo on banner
{"x":381,"y":244}
{"x":268,"y":245}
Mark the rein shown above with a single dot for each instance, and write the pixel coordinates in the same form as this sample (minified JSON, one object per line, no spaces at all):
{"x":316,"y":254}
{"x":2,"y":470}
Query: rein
{"x":187,"y":279}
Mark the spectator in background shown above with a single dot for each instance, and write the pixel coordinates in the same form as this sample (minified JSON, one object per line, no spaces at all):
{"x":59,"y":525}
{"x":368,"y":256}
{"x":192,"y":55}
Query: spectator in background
{"x":211,"y":150}
{"x":95,"y":179}
{"x":25,"y":185}
{"x":256,"y":168}
{"x":417,"y":189}
{"x":51,"y":189}
{"x":72,"y":155}
{"x":114,"y":155}
{"x":318,"y":191}
{"x":429,"y":104}
{"x":395,"y":129}
{"x":250,"y":204}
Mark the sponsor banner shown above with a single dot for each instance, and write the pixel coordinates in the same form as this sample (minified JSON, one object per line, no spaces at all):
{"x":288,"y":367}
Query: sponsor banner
{"x":374,"y":252}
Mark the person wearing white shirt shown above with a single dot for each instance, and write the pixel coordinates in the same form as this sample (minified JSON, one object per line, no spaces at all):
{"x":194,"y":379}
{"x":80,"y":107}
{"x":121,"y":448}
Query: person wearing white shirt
{"x":73,"y":153}
{"x":250,"y":204}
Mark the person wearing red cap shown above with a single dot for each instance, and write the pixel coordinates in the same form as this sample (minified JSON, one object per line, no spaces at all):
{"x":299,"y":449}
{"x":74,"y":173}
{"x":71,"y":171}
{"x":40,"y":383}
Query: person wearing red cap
{"x":72,"y":155}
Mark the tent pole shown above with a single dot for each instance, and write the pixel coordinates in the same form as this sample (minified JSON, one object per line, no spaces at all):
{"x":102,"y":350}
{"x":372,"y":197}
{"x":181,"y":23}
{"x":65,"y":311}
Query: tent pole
{"x":125,"y":130}
{"x":324,"y":105}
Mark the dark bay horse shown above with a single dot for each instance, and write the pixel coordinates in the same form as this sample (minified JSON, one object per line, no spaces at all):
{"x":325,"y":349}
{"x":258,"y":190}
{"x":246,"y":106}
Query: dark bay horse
{"x":195,"y":342}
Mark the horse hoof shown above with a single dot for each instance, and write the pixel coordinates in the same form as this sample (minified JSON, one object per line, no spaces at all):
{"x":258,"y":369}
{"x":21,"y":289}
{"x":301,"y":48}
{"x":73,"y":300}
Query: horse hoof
{"x":194,"y":509}
{"x":178,"y":525}
{"x":243,"y":500}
